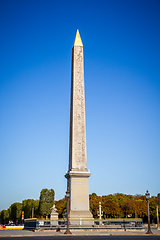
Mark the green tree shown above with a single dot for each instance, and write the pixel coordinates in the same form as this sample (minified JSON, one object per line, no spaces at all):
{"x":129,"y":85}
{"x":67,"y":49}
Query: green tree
{"x":4,"y":216}
{"x":27,"y":206}
{"x":16,"y":211}
{"x":46,"y":201}
{"x":94,"y":194}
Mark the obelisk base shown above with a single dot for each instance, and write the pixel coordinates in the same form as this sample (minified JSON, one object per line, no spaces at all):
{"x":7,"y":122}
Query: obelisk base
{"x":79,"y":198}
{"x":81,"y":218}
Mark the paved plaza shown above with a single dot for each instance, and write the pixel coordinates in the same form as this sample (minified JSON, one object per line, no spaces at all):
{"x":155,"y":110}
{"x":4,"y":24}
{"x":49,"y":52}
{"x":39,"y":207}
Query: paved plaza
{"x":26,"y":233}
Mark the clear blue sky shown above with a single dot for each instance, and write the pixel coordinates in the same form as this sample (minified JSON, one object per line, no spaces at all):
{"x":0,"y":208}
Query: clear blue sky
{"x":121,"y":41}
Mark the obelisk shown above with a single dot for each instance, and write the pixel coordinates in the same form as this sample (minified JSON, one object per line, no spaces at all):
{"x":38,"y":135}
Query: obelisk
{"x":78,"y":174}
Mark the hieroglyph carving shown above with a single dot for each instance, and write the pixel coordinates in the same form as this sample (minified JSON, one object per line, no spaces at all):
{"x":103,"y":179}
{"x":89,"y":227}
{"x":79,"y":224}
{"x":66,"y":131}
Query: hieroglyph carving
{"x":77,"y":131}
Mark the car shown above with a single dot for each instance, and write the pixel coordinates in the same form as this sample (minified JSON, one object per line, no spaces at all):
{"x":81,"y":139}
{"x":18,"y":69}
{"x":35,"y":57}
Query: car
{"x":62,"y":224}
{"x":47,"y":224}
{"x":2,"y":226}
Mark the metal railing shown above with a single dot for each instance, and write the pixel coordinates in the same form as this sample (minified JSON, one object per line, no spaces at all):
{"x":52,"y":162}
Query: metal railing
{"x":111,"y":223}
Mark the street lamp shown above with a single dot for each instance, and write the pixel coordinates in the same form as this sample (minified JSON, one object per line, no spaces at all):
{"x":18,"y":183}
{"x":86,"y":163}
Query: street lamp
{"x":147,"y":197}
{"x":67,"y":195}
{"x":100,"y":213}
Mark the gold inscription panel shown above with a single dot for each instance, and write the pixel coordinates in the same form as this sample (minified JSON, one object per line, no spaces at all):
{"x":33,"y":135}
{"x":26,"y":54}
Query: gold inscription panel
{"x":79,"y":194}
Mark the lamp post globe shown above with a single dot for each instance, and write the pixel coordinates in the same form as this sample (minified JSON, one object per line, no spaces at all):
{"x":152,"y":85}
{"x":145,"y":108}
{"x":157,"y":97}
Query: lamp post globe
{"x":147,"y":198}
{"x":68,"y":193}
{"x":147,"y":195}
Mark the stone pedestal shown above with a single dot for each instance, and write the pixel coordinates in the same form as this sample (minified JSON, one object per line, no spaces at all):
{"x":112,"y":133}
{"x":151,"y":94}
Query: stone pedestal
{"x":78,"y":174}
{"x":79,"y":199}
{"x":54,"y":217}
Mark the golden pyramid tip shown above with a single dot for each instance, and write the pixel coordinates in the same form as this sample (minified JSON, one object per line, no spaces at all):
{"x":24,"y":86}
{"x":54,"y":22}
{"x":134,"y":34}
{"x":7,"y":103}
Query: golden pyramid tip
{"x":78,"y":41}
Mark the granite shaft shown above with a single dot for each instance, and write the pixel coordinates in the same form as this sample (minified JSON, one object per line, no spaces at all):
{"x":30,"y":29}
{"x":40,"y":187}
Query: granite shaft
{"x":78,"y":174}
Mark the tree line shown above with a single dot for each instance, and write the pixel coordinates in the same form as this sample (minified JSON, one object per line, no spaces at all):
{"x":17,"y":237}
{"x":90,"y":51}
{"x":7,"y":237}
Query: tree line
{"x":122,"y":206}
{"x":38,"y":208}
{"x":117,"y":205}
